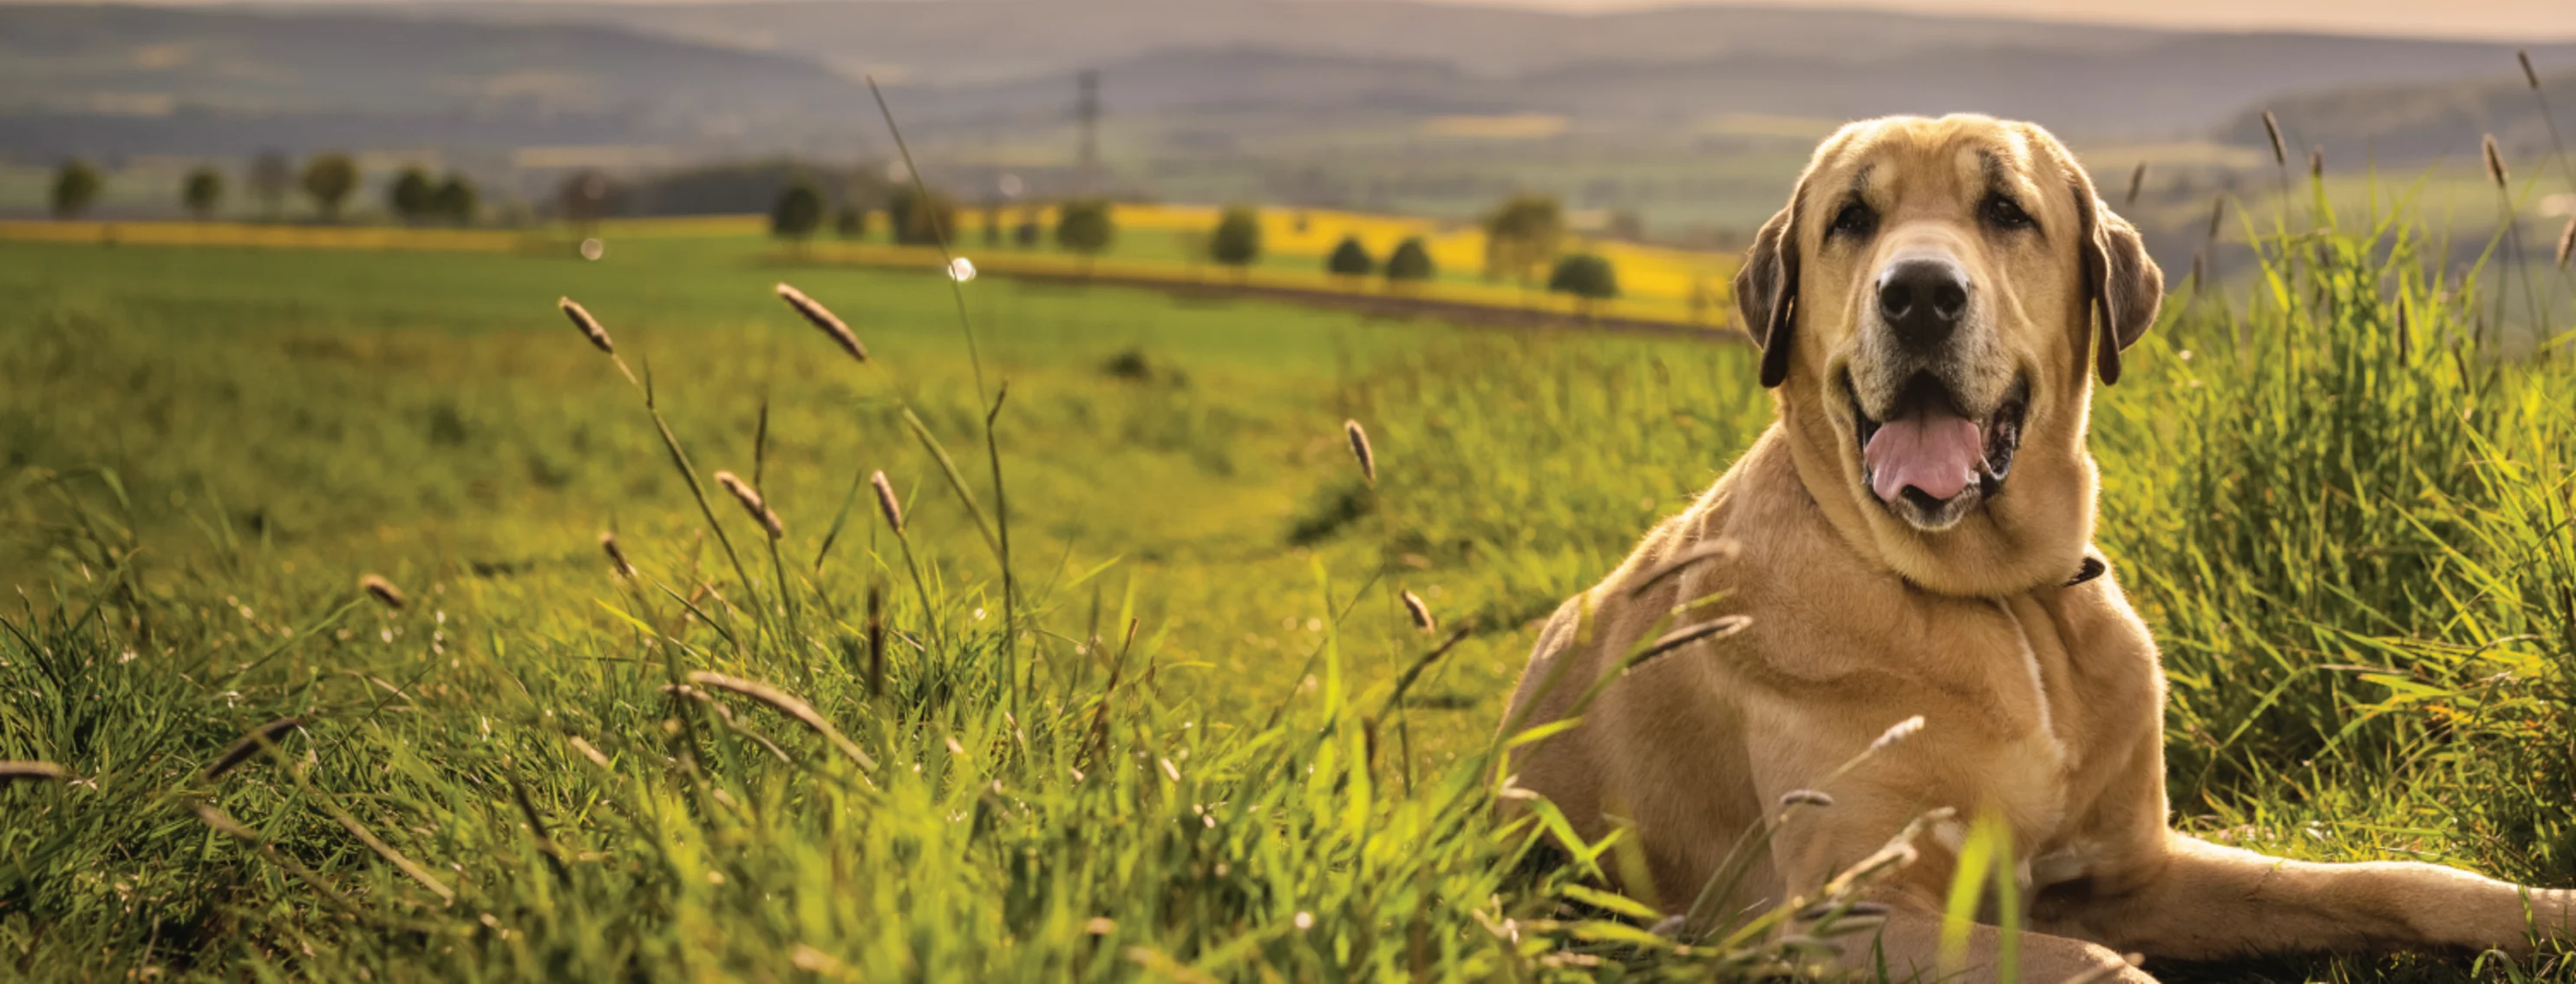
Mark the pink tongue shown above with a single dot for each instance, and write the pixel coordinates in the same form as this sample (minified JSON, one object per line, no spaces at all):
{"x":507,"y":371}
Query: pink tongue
{"x":1935,"y":452}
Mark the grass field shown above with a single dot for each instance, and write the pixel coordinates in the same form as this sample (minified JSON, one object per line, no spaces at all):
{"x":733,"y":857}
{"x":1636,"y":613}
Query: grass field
{"x":1156,"y":244}
{"x":1181,"y":741}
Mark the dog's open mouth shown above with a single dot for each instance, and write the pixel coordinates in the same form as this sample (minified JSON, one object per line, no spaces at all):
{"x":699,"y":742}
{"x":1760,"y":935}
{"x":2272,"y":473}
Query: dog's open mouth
{"x":1927,"y":454}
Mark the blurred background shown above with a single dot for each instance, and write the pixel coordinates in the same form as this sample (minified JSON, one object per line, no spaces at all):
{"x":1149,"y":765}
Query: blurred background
{"x":1668,"y":124}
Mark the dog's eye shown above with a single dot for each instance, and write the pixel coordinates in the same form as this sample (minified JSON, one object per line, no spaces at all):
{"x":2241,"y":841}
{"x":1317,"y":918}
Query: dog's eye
{"x":1855,"y":219}
{"x":2004,"y":213}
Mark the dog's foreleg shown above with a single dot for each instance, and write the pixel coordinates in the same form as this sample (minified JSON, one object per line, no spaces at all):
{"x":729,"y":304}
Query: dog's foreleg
{"x":2208,"y":901}
{"x":1909,"y":948}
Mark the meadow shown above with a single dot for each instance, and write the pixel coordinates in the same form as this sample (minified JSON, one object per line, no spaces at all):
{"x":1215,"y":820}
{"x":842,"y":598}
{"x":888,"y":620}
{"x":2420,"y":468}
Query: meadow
{"x":1127,"y":691}
{"x":1155,"y":245}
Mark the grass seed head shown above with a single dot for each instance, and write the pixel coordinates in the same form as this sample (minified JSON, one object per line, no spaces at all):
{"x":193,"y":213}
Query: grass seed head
{"x":887,"y":504}
{"x":2317,"y":162}
{"x":382,"y":590}
{"x":16,"y":772}
{"x":223,"y":823}
{"x":2567,"y":242}
{"x":616,"y":555}
{"x":1898,"y":732}
{"x":2528,"y":76}
{"x":589,"y":326}
{"x":2137,"y":181}
{"x":1705,"y":550}
{"x":587,"y":750}
{"x":1421,"y":613}
{"x":1360,"y":449}
{"x":2272,"y":129}
{"x":2495,"y":161}
{"x":823,"y":318}
{"x":787,"y":704}
{"x":248,"y":745}
{"x":1859,"y":908}
{"x":1805,"y":797}
{"x":752,"y":503}
{"x":1720,"y":627}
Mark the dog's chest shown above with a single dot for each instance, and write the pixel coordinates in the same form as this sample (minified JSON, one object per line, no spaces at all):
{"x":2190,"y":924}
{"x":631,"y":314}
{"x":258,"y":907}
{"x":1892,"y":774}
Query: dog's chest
{"x":2071,"y":693}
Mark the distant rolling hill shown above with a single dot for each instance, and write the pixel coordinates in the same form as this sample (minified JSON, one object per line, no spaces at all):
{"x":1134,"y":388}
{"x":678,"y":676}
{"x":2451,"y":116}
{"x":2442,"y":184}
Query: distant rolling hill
{"x":2412,"y":123}
{"x":2166,"y":88}
{"x":954,"y":41}
{"x":148,"y":79}
{"x":747,"y":79}
{"x":1642,"y":68}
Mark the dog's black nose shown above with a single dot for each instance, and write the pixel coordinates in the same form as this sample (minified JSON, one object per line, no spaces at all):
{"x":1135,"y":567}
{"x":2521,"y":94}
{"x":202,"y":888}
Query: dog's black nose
{"x":1921,"y":300}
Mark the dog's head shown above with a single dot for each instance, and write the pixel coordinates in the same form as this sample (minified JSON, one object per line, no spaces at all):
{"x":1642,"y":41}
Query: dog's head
{"x":1931,"y":306}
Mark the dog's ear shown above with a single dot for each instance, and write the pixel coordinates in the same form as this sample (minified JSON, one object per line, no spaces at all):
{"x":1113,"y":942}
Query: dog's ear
{"x":1766,"y":289}
{"x":2125,"y":285}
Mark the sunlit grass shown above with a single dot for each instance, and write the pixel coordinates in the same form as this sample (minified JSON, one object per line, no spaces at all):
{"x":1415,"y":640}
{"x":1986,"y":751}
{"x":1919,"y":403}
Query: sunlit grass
{"x":2352,"y":538}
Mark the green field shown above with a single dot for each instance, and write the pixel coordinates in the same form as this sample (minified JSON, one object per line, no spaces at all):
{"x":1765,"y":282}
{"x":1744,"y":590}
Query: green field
{"x":2353,"y":540}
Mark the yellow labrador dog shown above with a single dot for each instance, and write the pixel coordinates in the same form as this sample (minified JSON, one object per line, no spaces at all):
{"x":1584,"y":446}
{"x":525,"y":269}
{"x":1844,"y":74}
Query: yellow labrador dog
{"x":1911,"y":539}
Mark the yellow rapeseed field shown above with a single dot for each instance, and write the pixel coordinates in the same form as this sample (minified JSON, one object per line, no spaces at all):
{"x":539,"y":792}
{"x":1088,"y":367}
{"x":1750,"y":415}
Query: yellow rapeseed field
{"x":1655,"y":284}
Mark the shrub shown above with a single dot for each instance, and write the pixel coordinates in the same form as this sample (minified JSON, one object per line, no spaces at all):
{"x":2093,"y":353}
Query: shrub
{"x":412,"y":194}
{"x":799,"y":212}
{"x":329,"y":178}
{"x":1085,"y":226}
{"x":1237,"y":239}
{"x":851,"y":222}
{"x":1522,"y":236}
{"x":1587,"y":276}
{"x":201,"y":191}
{"x":76,"y":185}
{"x":1350,"y":259}
{"x":1410,"y":261}
{"x":455,"y":200}
{"x":920,"y":219}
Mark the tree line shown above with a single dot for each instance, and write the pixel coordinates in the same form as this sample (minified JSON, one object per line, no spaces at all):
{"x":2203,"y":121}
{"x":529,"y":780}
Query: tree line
{"x":329,"y":179}
{"x":1523,"y":236}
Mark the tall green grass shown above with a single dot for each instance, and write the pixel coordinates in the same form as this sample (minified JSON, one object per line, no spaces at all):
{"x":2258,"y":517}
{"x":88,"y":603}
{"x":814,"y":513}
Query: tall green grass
{"x":2348,"y":525}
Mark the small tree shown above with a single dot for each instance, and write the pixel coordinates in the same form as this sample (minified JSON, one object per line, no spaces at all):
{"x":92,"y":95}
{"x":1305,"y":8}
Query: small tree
{"x":201,"y":191}
{"x":1411,"y":261}
{"x":1350,"y":259}
{"x":1588,"y":277}
{"x":851,"y":222}
{"x":1522,"y":236}
{"x":271,"y":177}
{"x":993,"y":225}
{"x":798,"y":213}
{"x":1029,"y":231}
{"x":921,"y":220}
{"x":1237,"y":239}
{"x":413,"y":195}
{"x":76,"y":187}
{"x":1084,"y":227}
{"x":329,"y":178}
{"x":455,"y":200}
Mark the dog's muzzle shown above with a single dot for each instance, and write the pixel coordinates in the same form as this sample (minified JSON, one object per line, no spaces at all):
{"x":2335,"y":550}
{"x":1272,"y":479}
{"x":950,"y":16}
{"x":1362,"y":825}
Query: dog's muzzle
{"x":1937,"y":416}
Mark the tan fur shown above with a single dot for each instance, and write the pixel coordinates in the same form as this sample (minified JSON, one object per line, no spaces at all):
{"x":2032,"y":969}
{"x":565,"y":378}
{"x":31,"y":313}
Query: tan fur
{"x":2042,"y":701}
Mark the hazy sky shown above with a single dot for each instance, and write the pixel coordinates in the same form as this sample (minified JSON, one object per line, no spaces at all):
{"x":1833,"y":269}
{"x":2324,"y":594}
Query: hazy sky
{"x":2507,"y":19}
